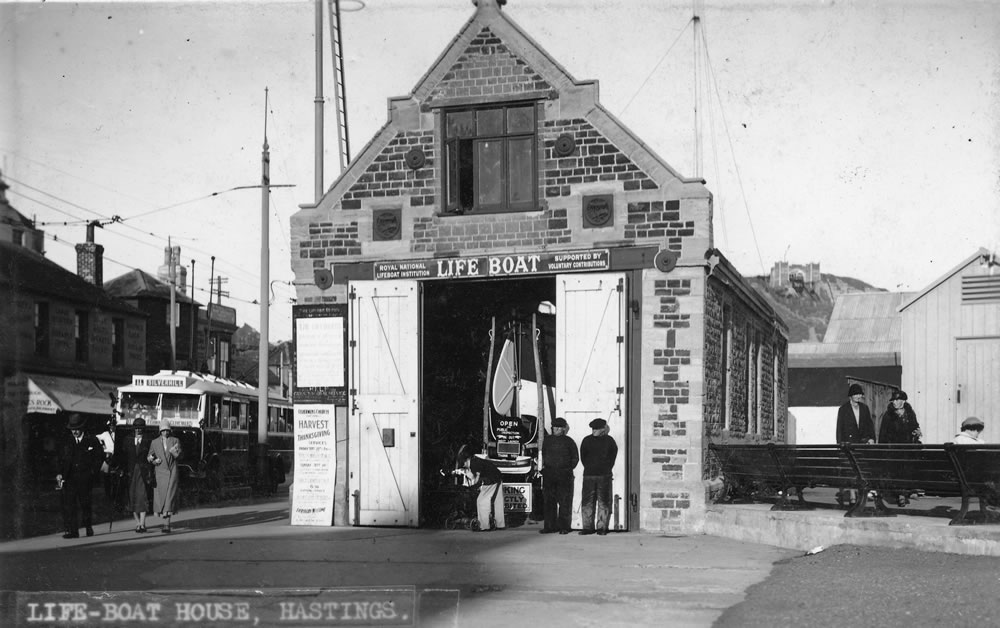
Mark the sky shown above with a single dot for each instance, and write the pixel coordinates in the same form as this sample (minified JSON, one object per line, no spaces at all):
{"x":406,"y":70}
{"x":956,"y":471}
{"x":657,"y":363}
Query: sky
{"x":864,"y":136}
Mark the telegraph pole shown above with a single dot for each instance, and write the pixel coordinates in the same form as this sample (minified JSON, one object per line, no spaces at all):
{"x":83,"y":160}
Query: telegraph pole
{"x":265,"y":279}
{"x":173,"y":323}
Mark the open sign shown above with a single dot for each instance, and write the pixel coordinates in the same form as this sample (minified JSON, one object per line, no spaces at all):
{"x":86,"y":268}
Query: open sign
{"x":517,"y":497}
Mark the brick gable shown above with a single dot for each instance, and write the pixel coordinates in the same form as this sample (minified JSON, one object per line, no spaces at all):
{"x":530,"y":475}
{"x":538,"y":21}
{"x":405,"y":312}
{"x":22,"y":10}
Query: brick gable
{"x":487,"y":68}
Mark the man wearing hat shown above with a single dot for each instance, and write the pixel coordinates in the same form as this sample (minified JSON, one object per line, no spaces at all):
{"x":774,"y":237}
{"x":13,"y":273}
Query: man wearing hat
{"x":854,"y":419}
{"x":79,"y":463}
{"x":163,"y":455}
{"x":559,"y":458}
{"x":972,"y":432}
{"x":598,"y":452}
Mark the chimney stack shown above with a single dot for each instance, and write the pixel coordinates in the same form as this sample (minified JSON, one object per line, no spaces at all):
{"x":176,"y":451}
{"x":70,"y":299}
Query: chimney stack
{"x":172,"y":255}
{"x":90,"y":258}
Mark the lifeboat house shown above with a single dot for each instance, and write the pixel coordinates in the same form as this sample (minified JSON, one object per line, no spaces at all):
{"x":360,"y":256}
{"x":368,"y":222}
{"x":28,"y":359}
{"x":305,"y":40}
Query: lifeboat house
{"x":507,"y":252}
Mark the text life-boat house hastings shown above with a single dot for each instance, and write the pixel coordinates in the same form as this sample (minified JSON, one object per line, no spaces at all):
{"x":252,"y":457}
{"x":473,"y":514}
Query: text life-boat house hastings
{"x":501,"y":172}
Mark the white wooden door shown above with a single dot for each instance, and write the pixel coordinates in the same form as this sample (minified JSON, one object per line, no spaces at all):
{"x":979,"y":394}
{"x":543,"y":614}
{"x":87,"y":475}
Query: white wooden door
{"x":383,"y":419}
{"x":590,"y":369}
{"x":978,"y":378}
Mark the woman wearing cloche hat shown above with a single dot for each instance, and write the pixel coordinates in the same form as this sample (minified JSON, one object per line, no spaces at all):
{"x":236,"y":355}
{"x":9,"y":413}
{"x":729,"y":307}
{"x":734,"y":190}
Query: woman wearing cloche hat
{"x":133,"y":455}
{"x":163,"y":455}
{"x":898,"y":425}
{"x":971,"y":434}
{"x":854,"y":418}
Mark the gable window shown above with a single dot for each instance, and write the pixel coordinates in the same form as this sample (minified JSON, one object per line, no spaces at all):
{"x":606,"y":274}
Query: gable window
{"x":81,"y":333}
{"x":490,"y":159}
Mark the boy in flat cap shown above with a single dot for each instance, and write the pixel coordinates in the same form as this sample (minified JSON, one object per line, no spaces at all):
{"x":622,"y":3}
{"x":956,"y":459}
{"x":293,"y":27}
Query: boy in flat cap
{"x":559,"y":458}
{"x":598,"y":452}
{"x":971,"y":434}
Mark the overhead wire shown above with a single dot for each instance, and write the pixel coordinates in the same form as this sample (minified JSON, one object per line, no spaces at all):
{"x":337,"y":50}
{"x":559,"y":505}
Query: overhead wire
{"x":121,"y":221}
{"x":732,"y":151}
{"x":655,"y":67}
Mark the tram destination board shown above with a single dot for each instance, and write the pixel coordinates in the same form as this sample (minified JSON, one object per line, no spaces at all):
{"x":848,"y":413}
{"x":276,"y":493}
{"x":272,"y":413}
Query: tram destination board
{"x":514,"y":264}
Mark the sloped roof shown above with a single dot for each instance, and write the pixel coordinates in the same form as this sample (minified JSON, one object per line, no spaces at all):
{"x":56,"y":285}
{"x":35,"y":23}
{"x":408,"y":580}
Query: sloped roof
{"x":866,"y":319}
{"x":140,"y":284}
{"x":864,"y":330}
{"x":26,"y":271}
{"x":11,"y":216}
{"x":945,"y":277}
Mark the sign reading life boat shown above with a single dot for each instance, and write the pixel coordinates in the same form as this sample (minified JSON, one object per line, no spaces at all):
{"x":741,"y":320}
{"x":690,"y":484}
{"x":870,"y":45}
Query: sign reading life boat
{"x":495,"y":265}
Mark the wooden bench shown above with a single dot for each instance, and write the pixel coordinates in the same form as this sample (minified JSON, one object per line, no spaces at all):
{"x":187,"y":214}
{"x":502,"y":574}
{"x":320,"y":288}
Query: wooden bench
{"x":755,"y":472}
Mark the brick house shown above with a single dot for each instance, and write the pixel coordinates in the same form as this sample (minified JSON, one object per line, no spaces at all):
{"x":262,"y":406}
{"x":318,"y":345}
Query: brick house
{"x":65,"y":345}
{"x":500,"y":185}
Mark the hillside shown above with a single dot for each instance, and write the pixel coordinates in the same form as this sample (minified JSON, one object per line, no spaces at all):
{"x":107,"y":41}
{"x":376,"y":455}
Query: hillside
{"x":806,"y":310}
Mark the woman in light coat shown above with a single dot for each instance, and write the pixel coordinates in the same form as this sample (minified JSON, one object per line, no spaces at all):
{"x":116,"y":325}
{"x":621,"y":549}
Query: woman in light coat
{"x":164,"y":453}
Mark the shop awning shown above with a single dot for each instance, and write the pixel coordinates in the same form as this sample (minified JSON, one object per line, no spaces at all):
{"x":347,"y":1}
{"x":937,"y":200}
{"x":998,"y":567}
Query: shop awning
{"x":48,"y":394}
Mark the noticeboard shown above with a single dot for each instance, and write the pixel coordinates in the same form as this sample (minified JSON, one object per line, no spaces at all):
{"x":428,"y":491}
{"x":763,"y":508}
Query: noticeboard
{"x":319,"y":340}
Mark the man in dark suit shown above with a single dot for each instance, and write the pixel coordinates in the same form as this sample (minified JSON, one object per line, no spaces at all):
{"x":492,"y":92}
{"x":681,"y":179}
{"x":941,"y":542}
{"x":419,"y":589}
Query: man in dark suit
{"x":79,"y":463}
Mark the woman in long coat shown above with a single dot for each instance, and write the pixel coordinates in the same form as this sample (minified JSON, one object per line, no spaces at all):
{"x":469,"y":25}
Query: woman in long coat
{"x":133,"y":454}
{"x":899,"y":425}
{"x":163,"y":455}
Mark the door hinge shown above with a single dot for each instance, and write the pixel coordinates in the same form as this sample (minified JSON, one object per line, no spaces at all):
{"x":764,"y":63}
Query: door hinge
{"x":620,"y":339}
{"x":352,"y":343}
{"x":352,"y":295}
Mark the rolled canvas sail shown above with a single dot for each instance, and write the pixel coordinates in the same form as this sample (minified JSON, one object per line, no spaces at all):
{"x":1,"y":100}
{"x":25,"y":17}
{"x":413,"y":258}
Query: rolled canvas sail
{"x":505,"y":380}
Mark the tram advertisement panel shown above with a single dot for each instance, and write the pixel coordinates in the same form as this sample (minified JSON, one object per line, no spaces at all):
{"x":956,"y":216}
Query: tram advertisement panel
{"x":315,"y":465}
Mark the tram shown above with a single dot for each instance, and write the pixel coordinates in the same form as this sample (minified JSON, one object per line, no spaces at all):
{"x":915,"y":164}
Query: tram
{"x":216,"y":421}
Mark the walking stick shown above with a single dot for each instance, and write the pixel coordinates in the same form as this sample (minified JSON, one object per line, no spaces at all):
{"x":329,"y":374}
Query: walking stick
{"x":115,"y":485}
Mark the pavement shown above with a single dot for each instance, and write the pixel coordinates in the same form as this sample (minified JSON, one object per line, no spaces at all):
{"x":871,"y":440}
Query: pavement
{"x":248,"y":554}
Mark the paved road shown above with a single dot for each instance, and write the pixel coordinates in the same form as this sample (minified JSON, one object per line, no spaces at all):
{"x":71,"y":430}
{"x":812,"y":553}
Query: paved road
{"x":849,"y":585}
{"x":510,"y":578}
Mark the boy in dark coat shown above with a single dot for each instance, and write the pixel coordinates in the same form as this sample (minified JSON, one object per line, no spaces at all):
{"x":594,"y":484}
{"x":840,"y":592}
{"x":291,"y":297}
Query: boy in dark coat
{"x":598,"y":452}
{"x":559,"y":458}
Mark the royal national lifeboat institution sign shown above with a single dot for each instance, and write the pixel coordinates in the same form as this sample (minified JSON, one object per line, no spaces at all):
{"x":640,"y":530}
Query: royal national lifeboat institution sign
{"x":495,"y":265}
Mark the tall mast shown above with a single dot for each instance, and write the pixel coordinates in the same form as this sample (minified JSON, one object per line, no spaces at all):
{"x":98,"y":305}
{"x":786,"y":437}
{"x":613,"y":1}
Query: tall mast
{"x":318,"y":101}
{"x":696,"y":19}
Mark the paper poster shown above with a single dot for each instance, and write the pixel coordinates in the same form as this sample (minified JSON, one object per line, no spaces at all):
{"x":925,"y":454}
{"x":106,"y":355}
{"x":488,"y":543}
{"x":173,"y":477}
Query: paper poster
{"x":315,"y":465}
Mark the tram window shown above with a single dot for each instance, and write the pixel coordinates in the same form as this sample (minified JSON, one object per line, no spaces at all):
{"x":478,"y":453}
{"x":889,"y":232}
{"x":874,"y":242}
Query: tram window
{"x":243,"y":415}
{"x":214,"y":412}
{"x":139,"y":406}
{"x":226,"y":414}
{"x":176,"y":407}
